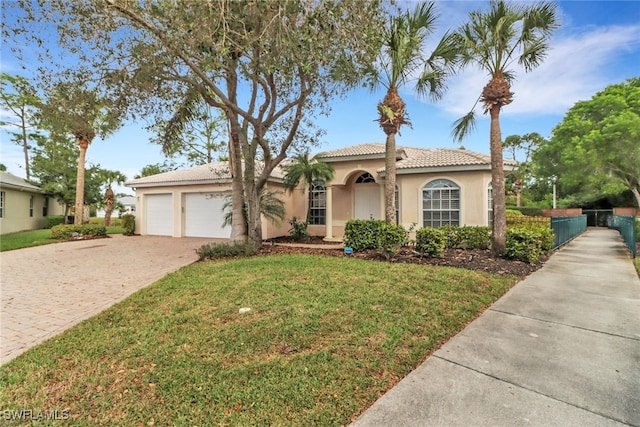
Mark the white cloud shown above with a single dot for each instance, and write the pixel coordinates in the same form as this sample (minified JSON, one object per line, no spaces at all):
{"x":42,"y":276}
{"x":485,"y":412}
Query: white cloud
{"x":576,"y":67}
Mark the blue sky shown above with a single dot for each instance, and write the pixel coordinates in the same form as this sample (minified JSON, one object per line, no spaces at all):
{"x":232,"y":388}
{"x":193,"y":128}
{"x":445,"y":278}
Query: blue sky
{"x":597,"y":45}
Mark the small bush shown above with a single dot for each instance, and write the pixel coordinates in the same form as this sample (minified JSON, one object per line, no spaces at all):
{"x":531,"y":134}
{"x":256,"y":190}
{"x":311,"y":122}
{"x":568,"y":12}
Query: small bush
{"x":363,"y":234}
{"x":638,"y":230}
{"x":226,"y":250}
{"x":53,"y":220}
{"x":61,"y":231}
{"x":129,"y":224}
{"x":513,"y":212}
{"x":466,"y":237}
{"x":528,"y":244}
{"x":431,"y":241}
{"x":391,"y":237}
{"x":529,"y":221}
{"x":298,"y":229}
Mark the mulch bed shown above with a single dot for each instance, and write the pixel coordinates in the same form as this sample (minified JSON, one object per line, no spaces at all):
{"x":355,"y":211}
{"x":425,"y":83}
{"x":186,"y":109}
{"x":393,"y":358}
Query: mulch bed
{"x":472,"y":259}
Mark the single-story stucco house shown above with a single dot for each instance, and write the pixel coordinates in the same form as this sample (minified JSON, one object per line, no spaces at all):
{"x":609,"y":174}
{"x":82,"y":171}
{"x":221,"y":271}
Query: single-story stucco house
{"x":434,"y":187}
{"x":23,"y":206}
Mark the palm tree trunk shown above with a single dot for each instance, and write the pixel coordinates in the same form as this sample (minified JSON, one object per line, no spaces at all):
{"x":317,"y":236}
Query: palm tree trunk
{"x":390,"y":179}
{"x":78,"y":218}
{"x":499,"y":234}
{"x":109,"y":199}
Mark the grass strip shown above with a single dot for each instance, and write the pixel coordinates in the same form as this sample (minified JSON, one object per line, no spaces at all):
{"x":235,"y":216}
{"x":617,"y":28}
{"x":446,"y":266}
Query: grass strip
{"x":324,"y":338}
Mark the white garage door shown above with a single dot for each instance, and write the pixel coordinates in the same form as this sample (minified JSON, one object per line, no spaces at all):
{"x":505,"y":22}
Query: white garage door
{"x":203,"y":215}
{"x":159,"y":216}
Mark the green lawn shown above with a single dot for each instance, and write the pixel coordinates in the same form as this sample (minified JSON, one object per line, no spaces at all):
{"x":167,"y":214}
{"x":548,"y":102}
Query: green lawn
{"x":324,"y":338}
{"x":25,"y":239}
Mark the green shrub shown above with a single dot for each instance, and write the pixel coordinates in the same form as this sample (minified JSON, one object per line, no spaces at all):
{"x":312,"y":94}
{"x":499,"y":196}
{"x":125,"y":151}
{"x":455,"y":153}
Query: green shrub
{"x":513,"y":212}
{"x":53,"y":220}
{"x":225,"y":250}
{"x":363,"y":234}
{"x":391,"y":237}
{"x":129,"y":224}
{"x":298,"y":229}
{"x":528,"y":244}
{"x":67,"y":231}
{"x":638,"y":230}
{"x":466,"y":237}
{"x":527,"y":211}
{"x":528,"y":221}
{"x":430,"y":241}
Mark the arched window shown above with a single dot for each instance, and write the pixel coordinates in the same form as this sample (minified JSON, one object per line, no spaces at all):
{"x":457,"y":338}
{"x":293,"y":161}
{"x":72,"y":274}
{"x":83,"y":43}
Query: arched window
{"x":365,"y":178}
{"x":440,"y":203}
{"x":317,"y":204}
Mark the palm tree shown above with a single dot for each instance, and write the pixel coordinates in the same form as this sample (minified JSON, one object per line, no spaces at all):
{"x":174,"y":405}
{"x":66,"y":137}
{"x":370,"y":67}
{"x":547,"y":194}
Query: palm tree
{"x":309,"y":171}
{"x":271,"y":207}
{"x":494,"y":41}
{"x":73,"y":109}
{"x":401,"y":60}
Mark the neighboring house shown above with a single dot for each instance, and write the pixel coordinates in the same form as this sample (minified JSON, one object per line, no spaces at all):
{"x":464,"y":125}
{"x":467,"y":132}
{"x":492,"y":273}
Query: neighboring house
{"x":127,"y":202}
{"x":434,"y":187}
{"x":23,"y":206}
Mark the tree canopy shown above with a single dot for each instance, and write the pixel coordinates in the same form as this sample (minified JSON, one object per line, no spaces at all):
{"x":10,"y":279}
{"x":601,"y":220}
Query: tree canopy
{"x":267,"y":65}
{"x":596,"y":147}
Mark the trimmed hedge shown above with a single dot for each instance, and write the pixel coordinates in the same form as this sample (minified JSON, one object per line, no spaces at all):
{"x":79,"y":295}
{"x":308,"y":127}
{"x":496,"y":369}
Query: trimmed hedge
{"x":528,"y":221}
{"x":528,"y":244}
{"x":53,"y":220}
{"x":467,"y":237}
{"x":363,"y":234}
{"x":431,"y":241}
{"x":226,"y":250}
{"x":67,"y":231}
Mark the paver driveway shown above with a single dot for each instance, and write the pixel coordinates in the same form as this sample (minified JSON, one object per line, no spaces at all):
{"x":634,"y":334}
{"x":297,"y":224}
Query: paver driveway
{"x":47,"y":289}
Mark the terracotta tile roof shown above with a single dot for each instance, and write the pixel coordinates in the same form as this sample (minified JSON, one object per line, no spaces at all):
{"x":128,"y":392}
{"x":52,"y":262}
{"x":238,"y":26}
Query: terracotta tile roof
{"x":370,"y":149}
{"x":413,"y":157}
{"x":10,"y":180}
{"x":205,"y":174}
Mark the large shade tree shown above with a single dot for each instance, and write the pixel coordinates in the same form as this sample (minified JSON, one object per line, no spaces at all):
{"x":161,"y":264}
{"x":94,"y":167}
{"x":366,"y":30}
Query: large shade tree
{"x":596,"y":147}
{"x":403,"y":60}
{"x":269,"y":66}
{"x":495,"y":41}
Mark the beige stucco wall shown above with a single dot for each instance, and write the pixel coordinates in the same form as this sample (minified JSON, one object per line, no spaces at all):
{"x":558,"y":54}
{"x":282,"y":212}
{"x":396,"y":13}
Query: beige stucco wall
{"x":473,"y":192}
{"x":294,"y":206}
{"x":16,"y":212}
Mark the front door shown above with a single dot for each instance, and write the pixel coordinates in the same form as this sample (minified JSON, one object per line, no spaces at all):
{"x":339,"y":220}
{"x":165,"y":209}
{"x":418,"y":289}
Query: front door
{"x":367,"y":201}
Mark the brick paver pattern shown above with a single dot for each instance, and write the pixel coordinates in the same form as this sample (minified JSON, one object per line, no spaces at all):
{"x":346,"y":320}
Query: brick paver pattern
{"x":45,"y":290}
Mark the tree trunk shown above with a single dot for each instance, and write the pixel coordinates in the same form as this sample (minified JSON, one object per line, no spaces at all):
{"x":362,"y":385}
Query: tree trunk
{"x":25,"y":147}
{"x":78,"y":218}
{"x":238,"y":225}
{"x":109,"y":199}
{"x":636,"y":193}
{"x":499,"y":234}
{"x":252,"y":197}
{"x":390,"y":179}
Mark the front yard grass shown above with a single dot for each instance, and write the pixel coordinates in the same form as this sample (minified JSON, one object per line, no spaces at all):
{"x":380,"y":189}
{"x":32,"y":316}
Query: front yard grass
{"x":324,"y":338}
{"x":26,"y":239}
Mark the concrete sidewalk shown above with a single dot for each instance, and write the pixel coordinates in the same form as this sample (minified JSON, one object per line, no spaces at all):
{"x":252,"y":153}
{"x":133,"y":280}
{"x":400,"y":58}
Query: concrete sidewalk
{"x":562,"y":348}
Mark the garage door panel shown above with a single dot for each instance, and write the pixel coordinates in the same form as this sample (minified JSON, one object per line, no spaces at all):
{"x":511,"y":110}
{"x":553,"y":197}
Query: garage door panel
{"x":203,"y":215}
{"x":159,"y":214}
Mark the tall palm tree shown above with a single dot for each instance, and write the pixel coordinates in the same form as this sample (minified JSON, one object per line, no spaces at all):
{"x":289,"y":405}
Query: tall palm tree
{"x":83,"y":113}
{"x":402,"y":59}
{"x":308,"y":171}
{"x":494,"y":41}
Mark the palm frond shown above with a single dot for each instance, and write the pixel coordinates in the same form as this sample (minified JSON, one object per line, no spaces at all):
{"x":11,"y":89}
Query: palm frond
{"x":463,"y":126}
